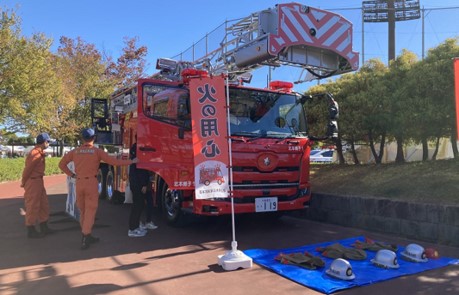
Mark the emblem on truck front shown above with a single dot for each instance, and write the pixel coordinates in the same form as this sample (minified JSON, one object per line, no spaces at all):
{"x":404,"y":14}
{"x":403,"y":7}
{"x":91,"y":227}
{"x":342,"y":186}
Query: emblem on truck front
{"x":267,"y":162}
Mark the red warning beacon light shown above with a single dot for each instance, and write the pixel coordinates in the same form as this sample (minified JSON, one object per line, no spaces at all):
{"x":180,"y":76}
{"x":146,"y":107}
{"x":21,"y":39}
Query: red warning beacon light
{"x":281,"y":86}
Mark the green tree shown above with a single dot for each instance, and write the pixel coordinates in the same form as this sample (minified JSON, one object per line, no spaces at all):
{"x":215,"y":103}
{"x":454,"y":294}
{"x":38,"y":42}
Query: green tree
{"x":374,"y":105}
{"x":9,"y":32}
{"x":439,"y":83}
{"x":41,"y":91}
{"x":348,"y":95}
{"x":428,"y":115}
{"x":401,"y":119}
{"x":130,"y":66}
{"x":83,"y":76}
{"x":86,"y":74}
{"x":28,"y":79}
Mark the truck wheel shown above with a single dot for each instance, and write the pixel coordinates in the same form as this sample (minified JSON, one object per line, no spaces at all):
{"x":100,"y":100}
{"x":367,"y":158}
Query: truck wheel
{"x":109,"y":189}
{"x":172,"y":204}
{"x":101,"y":180}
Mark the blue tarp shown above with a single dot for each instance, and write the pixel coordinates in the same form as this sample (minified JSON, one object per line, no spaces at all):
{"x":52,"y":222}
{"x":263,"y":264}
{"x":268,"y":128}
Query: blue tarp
{"x":365,"y":272}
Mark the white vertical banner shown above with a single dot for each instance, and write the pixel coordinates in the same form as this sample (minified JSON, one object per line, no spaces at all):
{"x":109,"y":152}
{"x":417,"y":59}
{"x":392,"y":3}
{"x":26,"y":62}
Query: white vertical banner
{"x":210,"y":146}
{"x":70,"y":205}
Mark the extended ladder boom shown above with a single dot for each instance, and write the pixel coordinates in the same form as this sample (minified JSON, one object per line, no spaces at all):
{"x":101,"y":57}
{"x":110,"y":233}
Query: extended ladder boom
{"x":290,"y":34}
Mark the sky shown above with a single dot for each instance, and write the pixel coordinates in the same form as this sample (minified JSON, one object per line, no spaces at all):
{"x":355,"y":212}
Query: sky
{"x":168,"y":27}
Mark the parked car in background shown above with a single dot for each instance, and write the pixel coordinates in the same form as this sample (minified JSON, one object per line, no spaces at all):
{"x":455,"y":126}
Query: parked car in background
{"x":50,"y":151}
{"x":321,"y":156}
{"x":3,"y":151}
{"x":13,"y":151}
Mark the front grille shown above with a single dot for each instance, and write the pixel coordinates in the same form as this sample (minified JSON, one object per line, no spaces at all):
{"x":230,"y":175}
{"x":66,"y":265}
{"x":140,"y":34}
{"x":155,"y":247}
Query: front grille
{"x":251,"y":200}
{"x":250,"y":183}
{"x":264,"y":185}
{"x":255,"y":169}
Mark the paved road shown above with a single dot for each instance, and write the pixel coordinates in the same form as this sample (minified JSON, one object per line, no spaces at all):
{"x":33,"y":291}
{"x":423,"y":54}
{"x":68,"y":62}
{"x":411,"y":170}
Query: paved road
{"x":169,"y":260}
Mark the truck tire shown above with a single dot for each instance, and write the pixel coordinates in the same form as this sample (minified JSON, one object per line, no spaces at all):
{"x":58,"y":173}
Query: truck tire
{"x":114,"y":196}
{"x":172,"y":204}
{"x":101,"y":180}
{"x":109,"y":185}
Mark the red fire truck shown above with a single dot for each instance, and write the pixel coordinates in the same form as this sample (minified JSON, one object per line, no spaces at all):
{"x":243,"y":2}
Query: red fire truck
{"x":270,"y":143}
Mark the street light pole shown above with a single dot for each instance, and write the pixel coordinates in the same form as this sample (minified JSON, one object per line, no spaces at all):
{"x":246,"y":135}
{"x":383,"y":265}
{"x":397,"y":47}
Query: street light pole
{"x":391,"y":28}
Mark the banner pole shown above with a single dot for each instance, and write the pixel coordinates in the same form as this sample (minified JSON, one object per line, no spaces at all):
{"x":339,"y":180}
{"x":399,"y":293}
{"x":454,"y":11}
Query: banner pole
{"x":233,"y":259}
{"x":230,"y":155}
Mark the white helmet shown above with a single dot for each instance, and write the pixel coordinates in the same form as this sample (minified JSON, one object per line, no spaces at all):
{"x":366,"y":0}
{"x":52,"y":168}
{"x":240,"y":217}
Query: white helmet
{"x":386,"y":259}
{"x":341,"y":269}
{"x":414,"y":253}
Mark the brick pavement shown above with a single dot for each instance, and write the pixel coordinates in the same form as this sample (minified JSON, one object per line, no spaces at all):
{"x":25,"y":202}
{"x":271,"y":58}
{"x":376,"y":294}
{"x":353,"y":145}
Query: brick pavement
{"x":179,"y":261}
{"x":13,"y":189}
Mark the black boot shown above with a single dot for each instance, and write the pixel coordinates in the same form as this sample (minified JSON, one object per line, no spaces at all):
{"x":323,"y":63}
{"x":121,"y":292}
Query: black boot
{"x":91,"y":239}
{"x":33,"y":234}
{"x":44,"y":229}
{"x":84,"y":242}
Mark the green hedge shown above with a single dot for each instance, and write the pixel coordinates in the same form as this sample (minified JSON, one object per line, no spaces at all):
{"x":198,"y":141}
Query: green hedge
{"x":11,"y":169}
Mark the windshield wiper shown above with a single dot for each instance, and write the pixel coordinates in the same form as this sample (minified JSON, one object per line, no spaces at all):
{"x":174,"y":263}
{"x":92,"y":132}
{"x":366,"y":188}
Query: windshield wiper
{"x":249,"y":136}
{"x":256,"y":137}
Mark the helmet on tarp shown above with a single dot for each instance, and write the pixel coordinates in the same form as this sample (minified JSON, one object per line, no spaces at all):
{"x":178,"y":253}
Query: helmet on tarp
{"x":386,"y":259}
{"x":414,"y":253}
{"x":432,"y":253}
{"x":341,"y":269}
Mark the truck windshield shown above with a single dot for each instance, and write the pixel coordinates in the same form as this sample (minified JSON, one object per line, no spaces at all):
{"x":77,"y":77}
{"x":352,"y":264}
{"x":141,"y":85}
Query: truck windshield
{"x":255,"y":113}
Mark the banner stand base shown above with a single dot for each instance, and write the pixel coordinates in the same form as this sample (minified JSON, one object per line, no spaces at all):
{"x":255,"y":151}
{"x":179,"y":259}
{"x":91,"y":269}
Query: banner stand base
{"x":234,"y":259}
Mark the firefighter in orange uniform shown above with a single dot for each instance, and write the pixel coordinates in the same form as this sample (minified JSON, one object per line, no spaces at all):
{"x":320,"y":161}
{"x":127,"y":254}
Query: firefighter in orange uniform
{"x":35,"y":197}
{"x":86,"y":160}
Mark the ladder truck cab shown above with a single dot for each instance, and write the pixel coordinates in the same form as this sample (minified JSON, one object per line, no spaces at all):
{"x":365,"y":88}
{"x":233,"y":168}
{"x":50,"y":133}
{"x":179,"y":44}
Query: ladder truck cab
{"x":270,"y":140}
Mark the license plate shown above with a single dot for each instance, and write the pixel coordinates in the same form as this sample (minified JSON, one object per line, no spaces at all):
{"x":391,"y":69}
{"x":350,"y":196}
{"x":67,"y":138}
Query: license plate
{"x":265,"y":204}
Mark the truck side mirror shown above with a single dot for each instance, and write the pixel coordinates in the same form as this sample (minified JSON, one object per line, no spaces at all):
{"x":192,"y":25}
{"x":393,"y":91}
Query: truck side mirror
{"x":323,"y":113}
{"x":333,"y":107}
{"x":334,"y":112}
{"x":304,"y":98}
{"x":332,"y":130}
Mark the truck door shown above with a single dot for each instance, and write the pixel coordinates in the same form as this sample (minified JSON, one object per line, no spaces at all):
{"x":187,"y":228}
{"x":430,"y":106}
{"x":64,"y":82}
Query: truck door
{"x":164,"y":133}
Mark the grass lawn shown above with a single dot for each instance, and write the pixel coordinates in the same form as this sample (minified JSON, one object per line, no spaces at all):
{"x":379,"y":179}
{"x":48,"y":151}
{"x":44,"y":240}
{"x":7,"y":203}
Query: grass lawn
{"x":426,"y":182}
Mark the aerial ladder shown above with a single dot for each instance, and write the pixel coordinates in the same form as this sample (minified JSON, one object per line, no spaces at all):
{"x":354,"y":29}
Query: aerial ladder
{"x":318,"y":42}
